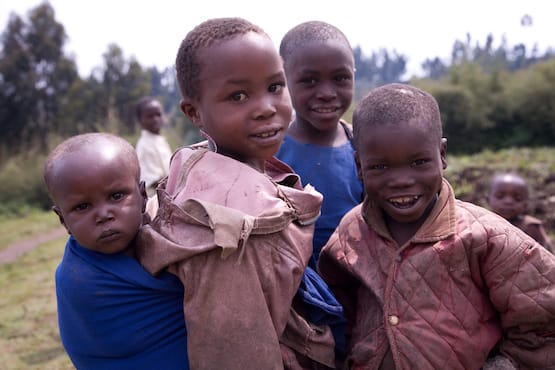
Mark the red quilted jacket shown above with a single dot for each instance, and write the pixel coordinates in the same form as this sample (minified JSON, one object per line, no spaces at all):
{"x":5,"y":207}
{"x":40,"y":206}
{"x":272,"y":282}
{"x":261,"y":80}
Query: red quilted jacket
{"x":466,"y":283}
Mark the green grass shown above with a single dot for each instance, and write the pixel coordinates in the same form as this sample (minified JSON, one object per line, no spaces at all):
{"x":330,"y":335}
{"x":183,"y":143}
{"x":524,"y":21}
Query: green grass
{"x":17,"y":228}
{"x":28,"y":321}
{"x":518,"y":159}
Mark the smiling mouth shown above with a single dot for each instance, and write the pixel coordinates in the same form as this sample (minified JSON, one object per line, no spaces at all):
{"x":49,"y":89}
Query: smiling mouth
{"x":325,"y":110}
{"x":404,"y":202}
{"x":267,"y":134}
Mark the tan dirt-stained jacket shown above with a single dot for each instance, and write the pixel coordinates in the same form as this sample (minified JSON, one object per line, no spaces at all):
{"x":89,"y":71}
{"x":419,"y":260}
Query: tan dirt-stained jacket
{"x":240,"y":241}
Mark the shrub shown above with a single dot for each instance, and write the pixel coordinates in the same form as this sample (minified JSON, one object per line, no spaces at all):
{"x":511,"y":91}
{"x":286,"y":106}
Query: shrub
{"x":22,"y":186}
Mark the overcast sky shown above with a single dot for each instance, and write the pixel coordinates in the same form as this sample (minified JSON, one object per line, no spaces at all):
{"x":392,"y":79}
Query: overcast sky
{"x":152,"y":30}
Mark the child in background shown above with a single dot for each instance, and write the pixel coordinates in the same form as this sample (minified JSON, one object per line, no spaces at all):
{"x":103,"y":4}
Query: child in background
{"x":153,"y":149}
{"x":508,"y":197}
{"x":234,"y":223}
{"x":112,"y":314}
{"x":319,"y":66}
{"x":428,"y":281}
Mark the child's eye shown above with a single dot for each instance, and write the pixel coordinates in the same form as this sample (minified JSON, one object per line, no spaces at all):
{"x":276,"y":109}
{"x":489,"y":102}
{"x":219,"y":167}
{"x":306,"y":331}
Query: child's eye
{"x":342,"y":78}
{"x":377,"y":167}
{"x":81,"y":207}
{"x":419,"y":162}
{"x":308,"y":81}
{"x":238,"y":96}
{"x":117,"y":196}
{"x":277,"y":87}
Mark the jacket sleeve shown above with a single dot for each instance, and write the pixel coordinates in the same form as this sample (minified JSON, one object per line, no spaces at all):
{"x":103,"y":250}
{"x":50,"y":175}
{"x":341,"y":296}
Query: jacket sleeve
{"x":334,"y":269}
{"x":520,"y":276}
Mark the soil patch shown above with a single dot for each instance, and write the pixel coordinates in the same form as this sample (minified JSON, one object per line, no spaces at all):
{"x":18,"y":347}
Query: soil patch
{"x":15,"y":250}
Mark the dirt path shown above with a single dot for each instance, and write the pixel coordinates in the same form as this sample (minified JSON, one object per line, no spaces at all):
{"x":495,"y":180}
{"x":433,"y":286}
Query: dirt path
{"x":12,"y":252}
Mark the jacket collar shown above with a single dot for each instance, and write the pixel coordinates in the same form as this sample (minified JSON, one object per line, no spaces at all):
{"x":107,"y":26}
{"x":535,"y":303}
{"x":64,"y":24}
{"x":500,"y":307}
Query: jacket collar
{"x":439,"y":225}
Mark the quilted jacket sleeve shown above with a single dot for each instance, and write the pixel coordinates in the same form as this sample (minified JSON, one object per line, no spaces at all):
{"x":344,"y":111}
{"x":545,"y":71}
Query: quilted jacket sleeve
{"x":332,"y":266}
{"x":520,"y":276}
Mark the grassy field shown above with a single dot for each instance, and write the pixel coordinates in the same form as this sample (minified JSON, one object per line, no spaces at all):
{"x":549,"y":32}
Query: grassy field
{"x":28,"y":324}
{"x":15,"y":229}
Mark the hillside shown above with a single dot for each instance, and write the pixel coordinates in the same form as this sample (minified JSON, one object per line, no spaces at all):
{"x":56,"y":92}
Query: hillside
{"x":470,"y":175}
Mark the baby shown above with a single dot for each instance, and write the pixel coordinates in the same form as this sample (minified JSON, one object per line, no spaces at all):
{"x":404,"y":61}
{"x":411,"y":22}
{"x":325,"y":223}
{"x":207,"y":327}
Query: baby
{"x":112,"y":314}
{"x":508,"y":197}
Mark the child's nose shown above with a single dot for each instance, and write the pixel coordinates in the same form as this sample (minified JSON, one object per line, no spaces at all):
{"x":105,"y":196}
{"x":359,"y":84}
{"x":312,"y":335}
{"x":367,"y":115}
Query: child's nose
{"x":400,"y":178}
{"x":266,"y":108}
{"x":103,"y":215}
{"x":326,"y":91}
{"x":508,"y":200}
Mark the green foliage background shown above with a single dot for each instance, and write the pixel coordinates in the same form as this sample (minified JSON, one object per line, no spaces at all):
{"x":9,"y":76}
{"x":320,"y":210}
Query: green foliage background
{"x":492,"y":97}
{"x":29,"y":334}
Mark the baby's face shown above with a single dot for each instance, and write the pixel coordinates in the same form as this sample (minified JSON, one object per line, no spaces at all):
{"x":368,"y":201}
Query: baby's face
{"x":402,"y":170}
{"x":244,"y":105}
{"x":508,"y":199}
{"x":99,"y":200}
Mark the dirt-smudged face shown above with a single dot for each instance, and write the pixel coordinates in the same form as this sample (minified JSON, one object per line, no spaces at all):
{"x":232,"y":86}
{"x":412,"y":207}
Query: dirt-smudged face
{"x":244,"y":105}
{"x":402,"y":170}
{"x":99,"y":199}
{"x":320,"y":78}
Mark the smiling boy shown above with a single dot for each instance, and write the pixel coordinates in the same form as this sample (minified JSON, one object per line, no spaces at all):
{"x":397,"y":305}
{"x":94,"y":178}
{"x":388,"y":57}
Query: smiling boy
{"x":428,"y":281}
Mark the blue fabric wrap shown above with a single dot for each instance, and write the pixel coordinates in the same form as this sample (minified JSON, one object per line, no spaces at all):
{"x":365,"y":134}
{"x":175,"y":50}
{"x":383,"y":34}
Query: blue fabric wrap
{"x":321,"y":307}
{"x":112,"y":314}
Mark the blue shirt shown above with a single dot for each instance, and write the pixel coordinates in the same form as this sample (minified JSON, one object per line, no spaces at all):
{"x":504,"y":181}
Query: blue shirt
{"x":332,"y":171}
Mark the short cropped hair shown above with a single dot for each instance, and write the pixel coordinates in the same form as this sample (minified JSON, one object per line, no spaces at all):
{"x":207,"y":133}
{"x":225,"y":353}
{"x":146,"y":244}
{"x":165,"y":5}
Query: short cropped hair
{"x":85,"y":142}
{"x":512,"y":177}
{"x":141,"y":103}
{"x":397,"y":104}
{"x":309,"y":32}
{"x":187,"y":64}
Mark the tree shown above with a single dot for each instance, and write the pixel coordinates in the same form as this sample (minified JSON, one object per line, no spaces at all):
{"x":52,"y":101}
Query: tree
{"x":530,"y":98}
{"x":123,"y":83}
{"x":379,"y":68}
{"x":35,"y":75}
{"x":434,"y":68}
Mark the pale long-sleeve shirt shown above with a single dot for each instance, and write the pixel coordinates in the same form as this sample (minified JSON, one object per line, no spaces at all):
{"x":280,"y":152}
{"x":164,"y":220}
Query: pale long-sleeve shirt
{"x":154,"y":154}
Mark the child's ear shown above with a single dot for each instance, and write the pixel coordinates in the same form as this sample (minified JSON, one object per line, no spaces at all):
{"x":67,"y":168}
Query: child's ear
{"x":58,"y":212}
{"x":142,"y":189}
{"x":443,"y":152}
{"x":189,"y":109}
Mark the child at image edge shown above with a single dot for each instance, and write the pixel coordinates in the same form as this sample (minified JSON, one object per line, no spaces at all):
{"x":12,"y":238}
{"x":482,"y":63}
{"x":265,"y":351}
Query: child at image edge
{"x":508,"y":197}
{"x":428,"y":281}
{"x":153,"y":149}
{"x":112,"y":314}
{"x":319,"y":66}
{"x":233,"y":222}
